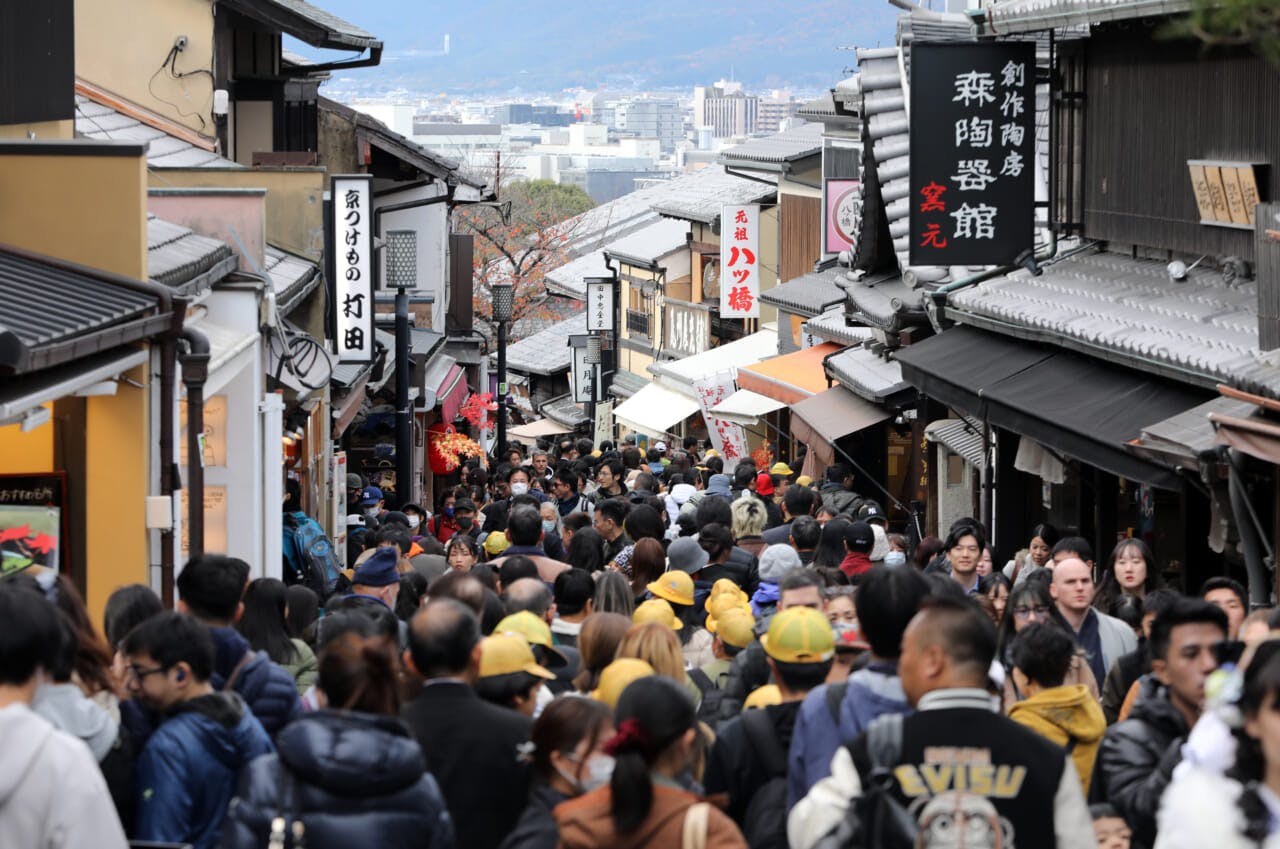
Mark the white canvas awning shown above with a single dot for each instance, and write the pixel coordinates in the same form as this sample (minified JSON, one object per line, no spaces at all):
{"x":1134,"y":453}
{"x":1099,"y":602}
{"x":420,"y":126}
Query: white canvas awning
{"x":654,"y":410}
{"x":745,"y":407}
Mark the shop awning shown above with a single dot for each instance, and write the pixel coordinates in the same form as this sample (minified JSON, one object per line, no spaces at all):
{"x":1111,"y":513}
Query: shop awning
{"x":683,"y":373}
{"x":960,"y":436}
{"x":791,"y":377}
{"x":1074,"y":405}
{"x":533,"y":431}
{"x":827,"y":417}
{"x":654,"y":410}
{"x":22,"y":394}
{"x":745,"y":407}
{"x":1182,"y":439}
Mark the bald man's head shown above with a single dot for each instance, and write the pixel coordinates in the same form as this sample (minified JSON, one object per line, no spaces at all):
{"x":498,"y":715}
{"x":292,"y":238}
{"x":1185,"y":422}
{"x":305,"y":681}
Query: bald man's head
{"x":949,"y":643}
{"x":443,"y":637}
{"x":529,"y":594}
{"x":1072,"y":587}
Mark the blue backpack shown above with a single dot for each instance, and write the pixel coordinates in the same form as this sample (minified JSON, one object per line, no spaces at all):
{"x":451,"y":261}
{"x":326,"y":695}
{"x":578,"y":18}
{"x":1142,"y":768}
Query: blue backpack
{"x":309,"y":558}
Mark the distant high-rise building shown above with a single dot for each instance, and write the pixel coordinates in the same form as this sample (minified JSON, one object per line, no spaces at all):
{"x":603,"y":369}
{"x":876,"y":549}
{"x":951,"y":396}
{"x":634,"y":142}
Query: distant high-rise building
{"x":725,"y":109}
{"x":774,"y":111}
{"x":650,"y":119}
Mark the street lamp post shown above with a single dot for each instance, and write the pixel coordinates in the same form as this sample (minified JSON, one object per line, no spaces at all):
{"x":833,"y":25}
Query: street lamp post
{"x":402,"y":274}
{"x":592,"y":358}
{"x":503,"y":299}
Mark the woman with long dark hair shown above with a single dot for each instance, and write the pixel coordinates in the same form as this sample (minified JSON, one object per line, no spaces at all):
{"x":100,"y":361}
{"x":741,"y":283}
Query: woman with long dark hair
{"x":643,"y":805}
{"x":265,"y":625}
{"x":830,"y":553}
{"x":586,"y":551}
{"x":1131,"y":570}
{"x":350,"y":774}
{"x":1040,"y":548}
{"x":568,"y":760}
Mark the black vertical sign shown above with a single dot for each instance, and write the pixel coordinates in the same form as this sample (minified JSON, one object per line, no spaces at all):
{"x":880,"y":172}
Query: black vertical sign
{"x":973,"y":112}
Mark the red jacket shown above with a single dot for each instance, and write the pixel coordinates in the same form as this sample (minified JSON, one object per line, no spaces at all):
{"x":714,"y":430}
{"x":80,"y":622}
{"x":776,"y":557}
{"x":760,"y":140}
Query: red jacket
{"x":855,"y":563}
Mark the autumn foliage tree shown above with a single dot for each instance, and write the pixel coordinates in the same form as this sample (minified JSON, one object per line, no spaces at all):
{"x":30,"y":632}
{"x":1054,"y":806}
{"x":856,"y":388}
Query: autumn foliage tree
{"x":521,"y":250}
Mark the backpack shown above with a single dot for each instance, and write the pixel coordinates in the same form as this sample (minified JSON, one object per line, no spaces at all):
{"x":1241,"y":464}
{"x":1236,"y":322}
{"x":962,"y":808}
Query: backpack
{"x":709,"y":706}
{"x":764,"y":823}
{"x":875,"y":819}
{"x":309,"y":557}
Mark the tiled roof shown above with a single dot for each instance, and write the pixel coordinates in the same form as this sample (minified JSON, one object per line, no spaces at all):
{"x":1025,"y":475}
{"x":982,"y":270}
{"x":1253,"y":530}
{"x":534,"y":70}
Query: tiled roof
{"x":831,"y":327}
{"x":887,"y":302}
{"x":867,"y":374}
{"x":307,"y":23}
{"x":819,"y":108}
{"x":180,"y":258}
{"x":1010,"y":16}
{"x":787,"y":146}
{"x":700,"y":196}
{"x":1202,"y":329}
{"x":654,"y":242}
{"x":292,"y":277}
{"x":810,"y":294}
{"x":46,"y":303}
{"x":564,"y":410}
{"x":96,"y":121}
{"x":387,"y":140}
{"x":546,"y":352}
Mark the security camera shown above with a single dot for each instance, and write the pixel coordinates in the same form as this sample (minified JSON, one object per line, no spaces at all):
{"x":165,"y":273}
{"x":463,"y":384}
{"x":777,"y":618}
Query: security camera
{"x":180,"y":43}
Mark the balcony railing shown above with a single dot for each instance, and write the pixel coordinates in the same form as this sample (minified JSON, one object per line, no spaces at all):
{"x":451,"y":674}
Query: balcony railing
{"x":638,"y":322}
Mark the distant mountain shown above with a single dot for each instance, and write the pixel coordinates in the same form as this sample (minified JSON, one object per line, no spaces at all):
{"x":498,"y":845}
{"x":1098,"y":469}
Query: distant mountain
{"x":499,"y":45}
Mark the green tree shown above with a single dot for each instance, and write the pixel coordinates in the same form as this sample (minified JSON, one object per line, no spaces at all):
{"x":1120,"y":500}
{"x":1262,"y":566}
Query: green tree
{"x":1255,"y":23}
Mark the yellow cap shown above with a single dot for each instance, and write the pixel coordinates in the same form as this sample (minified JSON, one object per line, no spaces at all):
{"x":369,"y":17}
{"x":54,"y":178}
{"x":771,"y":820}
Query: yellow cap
{"x":725,"y":586}
{"x":675,"y":586}
{"x":657,"y":610}
{"x":711,"y":452}
{"x":615,"y":677}
{"x":534,"y":630}
{"x":762,"y":697}
{"x":719,"y":605}
{"x":804,"y":480}
{"x":781,"y":468}
{"x":799,"y":635}
{"x":503,"y":654}
{"x":496,"y":543}
{"x":735,"y":627}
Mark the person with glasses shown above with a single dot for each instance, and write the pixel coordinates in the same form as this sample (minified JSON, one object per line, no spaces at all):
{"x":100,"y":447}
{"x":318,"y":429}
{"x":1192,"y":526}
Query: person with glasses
{"x":188,"y":770}
{"x":1030,"y":602}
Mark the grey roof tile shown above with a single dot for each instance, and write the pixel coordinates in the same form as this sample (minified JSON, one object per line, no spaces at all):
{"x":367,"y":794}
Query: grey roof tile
{"x":811,"y":294}
{"x":292,"y":277}
{"x":700,"y":196}
{"x":886,"y":302}
{"x":960,"y":436}
{"x":564,"y":410}
{"x":97,"y":121}
{"x":867,"y":374}
{"x":787,"y":146}
{"x":1202,"y":327}
{"x":1012,"y":16}
{"x":177,"y":255}
{"x":831,"y":326}
{"x":547,"y":351}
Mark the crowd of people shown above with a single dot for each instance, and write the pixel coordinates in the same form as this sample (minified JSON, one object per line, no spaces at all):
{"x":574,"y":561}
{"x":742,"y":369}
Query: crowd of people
{"x":594,"y":646}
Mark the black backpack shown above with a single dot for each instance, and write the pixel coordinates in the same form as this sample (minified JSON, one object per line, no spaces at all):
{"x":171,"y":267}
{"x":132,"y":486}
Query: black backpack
{"x":709,"y":707}
{"x":764,"y":823}
{"x":876,"y":819}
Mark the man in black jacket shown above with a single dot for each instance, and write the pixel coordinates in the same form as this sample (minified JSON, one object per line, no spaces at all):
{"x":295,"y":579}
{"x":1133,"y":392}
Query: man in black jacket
{"x":471,"y":746}
{"x":1136,"y":758}
{"x":798,"y":501}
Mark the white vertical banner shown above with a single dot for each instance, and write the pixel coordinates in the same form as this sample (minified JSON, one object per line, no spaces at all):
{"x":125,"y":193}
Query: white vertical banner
{"x":728,"y":438}
{"x":599,"y":304}
{"x":351,"y":267}
{"x":604,"y":422}
{"x":740,"y":261}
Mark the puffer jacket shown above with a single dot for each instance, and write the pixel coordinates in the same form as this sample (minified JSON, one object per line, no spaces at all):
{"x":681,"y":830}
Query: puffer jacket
{"x":188,"y":771}
{"x":742,"y":567}
{"x":1136,"y":760}
{"x":1070,"y":717}
{"x":269,"y":690}
{"x":870,"y":692}
{"x":353,"y":779}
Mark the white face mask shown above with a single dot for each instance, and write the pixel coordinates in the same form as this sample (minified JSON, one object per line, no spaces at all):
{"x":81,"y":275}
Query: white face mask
{"x":414,"y":521}
{"x":599,"y":769}
{"x":895,"y":558}
{"x":519,"y":488}
{"x":371,"y":512}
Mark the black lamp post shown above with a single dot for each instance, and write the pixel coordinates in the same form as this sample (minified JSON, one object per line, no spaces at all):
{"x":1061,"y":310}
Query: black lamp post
{"x":402,"y":275}
{"x":503,"y":299}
